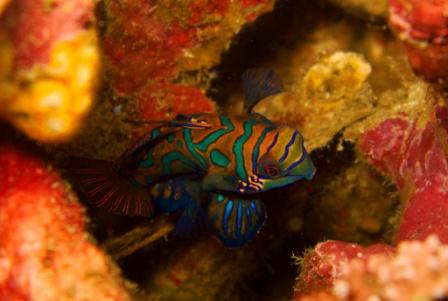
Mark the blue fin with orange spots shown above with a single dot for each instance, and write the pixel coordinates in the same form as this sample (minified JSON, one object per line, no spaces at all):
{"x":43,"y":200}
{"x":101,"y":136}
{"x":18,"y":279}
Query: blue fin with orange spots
{"x":175,"y":195}
{"x":181,"y":195}
{"x":259,"y":83}
{"x":234,"y":220}
{"x":105,"y":188}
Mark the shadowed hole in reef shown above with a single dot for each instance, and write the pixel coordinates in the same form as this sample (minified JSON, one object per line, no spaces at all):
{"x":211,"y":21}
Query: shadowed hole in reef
{"x":286,"y":27}
{"x":276,"y":274}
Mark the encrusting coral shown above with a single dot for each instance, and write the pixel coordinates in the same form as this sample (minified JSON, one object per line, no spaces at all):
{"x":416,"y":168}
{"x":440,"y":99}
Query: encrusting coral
{"x":45,"y":251}
{"x":422,"y":26}
{"x":416,"y":271}
{"x":404,"y":137}
{"x":48,"y":66}
{"x":165,"y":55}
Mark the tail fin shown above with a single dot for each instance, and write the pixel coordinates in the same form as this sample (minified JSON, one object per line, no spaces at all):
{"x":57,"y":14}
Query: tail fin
{"x":105,"y":188}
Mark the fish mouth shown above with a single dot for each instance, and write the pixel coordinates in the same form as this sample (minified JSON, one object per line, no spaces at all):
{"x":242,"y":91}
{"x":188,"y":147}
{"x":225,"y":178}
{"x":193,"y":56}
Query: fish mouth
{"x":308,"y":175}
{"x":258,"y":186}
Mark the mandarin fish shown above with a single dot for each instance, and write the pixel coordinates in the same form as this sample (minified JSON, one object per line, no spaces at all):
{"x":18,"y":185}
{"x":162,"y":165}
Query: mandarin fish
{"x":209,"y":168}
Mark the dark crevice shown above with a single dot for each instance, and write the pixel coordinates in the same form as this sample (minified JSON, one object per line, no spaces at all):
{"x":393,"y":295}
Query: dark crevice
{"x":277,"y":274}
{"x":258,"y":43}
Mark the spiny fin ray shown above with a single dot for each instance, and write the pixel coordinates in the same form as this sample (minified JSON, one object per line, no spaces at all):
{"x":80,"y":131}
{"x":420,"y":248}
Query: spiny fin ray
{"x":105,"y":188}
{"x":259,"y":83}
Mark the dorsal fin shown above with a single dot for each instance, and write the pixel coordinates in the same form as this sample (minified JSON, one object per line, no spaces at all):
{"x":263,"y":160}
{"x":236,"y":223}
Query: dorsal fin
{"x":173,"y":123}
{"x":130,"y":158}
{"x":260,"y":117}
{"x":259,"y":83}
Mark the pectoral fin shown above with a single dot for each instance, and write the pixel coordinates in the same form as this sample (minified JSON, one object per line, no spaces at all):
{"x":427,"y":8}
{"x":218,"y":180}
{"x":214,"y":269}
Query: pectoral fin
{"x":235,"y":220}
{"x":104,"y":188}
{"x":178,"y":195}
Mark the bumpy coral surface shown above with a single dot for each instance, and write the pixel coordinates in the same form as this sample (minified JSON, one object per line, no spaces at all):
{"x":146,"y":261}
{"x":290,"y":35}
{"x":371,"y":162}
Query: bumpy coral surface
{"x":45,"y":253}
{"x":335,"y":89}
{"x":158,"y":50}
{"x":422,"y":25}
{"x":322,"y":266}
{"x":417,"y":271}
{"x":3,"y":4}
{"x":48,"y":66}
{"x":414,"y":156}
{"x":408,"y":144}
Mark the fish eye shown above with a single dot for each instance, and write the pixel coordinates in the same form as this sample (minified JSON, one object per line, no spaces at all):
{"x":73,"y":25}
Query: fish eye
{"x":271,"y":171}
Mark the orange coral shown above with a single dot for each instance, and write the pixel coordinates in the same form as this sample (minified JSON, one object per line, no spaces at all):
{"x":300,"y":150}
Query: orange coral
{"x":47,"y":79}
{"x":45,"y":253}
{"x":3,"y":4}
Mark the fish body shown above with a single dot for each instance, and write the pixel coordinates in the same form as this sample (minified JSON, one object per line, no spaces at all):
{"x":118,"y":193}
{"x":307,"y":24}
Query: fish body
{"x":209,"y":167}
{"x":232,"y":154}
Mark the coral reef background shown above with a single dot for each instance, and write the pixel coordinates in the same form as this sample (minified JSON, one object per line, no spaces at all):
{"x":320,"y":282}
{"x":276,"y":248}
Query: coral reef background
{"x":371,"y":110}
